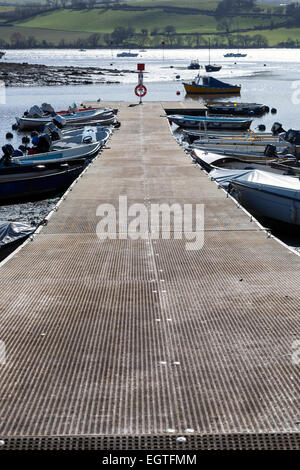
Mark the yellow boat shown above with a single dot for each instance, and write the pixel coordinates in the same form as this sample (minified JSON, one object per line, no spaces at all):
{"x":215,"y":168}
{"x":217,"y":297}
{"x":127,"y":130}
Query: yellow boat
{"x":210,"y":86}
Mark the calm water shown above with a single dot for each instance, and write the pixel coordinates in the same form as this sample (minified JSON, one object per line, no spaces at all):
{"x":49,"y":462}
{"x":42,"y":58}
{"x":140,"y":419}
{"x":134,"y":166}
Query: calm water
{"x":267,"y":76}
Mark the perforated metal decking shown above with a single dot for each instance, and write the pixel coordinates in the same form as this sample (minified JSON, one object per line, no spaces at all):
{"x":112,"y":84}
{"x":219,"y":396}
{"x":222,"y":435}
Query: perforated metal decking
{"x":115,"y":343}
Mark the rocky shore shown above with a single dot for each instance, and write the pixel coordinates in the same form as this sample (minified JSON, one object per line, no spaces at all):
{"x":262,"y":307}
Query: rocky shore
{"x":14,"y":74}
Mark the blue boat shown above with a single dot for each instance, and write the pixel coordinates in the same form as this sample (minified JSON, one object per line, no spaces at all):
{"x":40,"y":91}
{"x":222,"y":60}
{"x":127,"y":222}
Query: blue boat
{"x":219,"y":123}
{"x":38,"y":183}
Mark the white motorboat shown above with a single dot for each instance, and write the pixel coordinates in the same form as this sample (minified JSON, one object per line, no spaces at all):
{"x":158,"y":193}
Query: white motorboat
{"x":263,"y":193}
{"x":69,"y":119}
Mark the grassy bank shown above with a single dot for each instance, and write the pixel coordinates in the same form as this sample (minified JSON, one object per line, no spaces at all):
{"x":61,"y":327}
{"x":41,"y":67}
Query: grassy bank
{"x":149,"y":20}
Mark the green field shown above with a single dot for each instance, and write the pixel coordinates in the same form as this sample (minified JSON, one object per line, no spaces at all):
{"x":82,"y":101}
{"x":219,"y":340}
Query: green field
{"x":71,"y":24}
{"x":105,"y":21}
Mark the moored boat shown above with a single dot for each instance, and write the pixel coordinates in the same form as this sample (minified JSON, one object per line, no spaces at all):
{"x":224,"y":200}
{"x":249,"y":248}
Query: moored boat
{"x":194,"y":65}
{"x":209,"y":85}
{"x":127,"y":54}
{"x":61,"y":153}
{"x":213,"y":68}
{"x":37,"y":183}
{"x":219,"y":123}
{"x":106,"y":116}
{"x":265,"y":194}
{"x":237,"y":108}
{"x":235,"y":54}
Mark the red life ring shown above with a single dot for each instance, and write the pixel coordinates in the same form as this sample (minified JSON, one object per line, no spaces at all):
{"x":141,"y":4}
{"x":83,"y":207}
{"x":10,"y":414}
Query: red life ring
{"x":140,"y":90}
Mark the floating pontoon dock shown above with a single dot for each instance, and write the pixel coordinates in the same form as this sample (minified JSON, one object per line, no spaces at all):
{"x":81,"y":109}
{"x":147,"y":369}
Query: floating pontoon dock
{"x":122,"y":343}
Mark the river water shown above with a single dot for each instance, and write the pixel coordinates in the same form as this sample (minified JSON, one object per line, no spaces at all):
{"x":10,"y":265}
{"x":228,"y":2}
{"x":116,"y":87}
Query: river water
{"x":268,"y":76}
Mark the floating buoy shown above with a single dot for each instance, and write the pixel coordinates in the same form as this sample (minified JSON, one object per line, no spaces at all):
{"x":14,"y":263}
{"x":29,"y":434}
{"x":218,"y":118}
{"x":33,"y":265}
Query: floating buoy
{"x":273,"y":110}
{"x":9,"y":135}
{"x":25,"y":140}
{"x":261,"y":127}
{"x":177,"y":92}
{"x":177,"y":76}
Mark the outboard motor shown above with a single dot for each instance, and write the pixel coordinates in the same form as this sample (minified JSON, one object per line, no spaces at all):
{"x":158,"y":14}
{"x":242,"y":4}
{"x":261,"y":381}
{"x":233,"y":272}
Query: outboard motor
{"x":292,"y":136}
{"x":44,"y":144}
{"x":47,"y":108}
{"x":270,"y":151}
{"x":8,"y":152}
{"x":52,"y":130}
{"x":59,"y":121}
{"x":35,"y":111}
{"x":277,"y":128}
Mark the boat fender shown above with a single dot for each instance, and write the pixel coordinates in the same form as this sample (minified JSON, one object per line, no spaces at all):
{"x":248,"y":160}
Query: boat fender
{"x":35,"y":140}
{"x":25,"y":140}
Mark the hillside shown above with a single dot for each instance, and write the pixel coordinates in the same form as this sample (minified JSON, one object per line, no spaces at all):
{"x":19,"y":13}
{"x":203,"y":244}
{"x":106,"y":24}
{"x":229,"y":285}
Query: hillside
{"x":146,"y":23}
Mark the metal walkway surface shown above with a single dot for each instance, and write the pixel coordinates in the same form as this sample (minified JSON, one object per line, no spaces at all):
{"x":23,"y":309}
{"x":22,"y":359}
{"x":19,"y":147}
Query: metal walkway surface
{"x":124,"y":343}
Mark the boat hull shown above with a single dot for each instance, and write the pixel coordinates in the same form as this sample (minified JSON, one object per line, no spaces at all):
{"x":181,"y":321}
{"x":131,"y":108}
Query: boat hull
{"x":213,"y":68}
{"x":214,"y":125}
{"x":81,"y":152}
{"x":203,"y":90}
{"x":37,"y":185}
{"x":281,"y":207}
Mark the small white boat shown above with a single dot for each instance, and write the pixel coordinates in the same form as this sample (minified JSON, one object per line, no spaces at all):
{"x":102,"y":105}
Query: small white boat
{"x":68,"y":119}
{"x":264,"y":194}
{"x":28,"y":123}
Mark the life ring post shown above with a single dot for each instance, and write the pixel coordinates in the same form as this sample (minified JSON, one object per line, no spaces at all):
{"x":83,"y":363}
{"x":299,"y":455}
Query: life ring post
{"x":140,"y":90}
